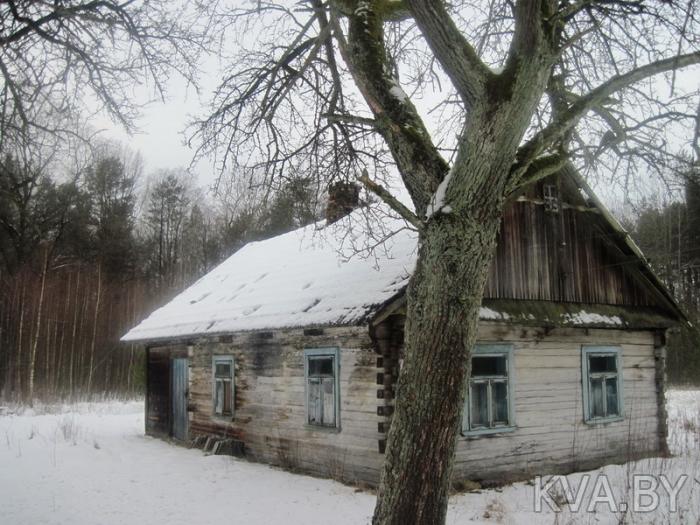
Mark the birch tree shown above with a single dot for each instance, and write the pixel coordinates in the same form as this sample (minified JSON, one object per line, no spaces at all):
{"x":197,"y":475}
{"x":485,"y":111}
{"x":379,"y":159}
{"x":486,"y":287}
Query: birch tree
{"x":517,"y":90}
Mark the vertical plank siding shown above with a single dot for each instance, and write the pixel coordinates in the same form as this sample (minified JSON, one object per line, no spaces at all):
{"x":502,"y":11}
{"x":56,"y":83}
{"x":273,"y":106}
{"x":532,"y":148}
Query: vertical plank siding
{"x":550,"y":433}
{"x":178,"y":393}
{"x":561,"y":257}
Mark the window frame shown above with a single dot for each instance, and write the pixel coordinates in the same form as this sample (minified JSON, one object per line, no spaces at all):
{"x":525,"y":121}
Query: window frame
{"x":333,"y":352}
{"x":230,"y":360}
{"x":492,"y":350}
{"x":601,"y":350}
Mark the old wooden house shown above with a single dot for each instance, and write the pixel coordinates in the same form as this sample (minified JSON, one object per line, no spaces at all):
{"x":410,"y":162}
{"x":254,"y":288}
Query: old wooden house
{"x":288,"y":352}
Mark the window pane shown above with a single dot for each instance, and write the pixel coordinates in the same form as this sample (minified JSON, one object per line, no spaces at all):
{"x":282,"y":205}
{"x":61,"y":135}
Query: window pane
{"x":321,"y":366}
{"x":489,"y":366}
{"x":315,"y":402}
{"x":223,"y":370}
{"x":328,"y":401}
{"x":611,"y":396}
{"x":499,"y":400}
{"x":219,"y":398}
{"x":227,"y":398}
{"x":601,"y":363}
{"x":597,"y":407}
{"x":478,"y":409}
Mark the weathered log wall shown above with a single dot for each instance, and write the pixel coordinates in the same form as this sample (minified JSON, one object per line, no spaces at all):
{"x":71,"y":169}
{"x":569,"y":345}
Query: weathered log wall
{"x":270,"y":416}
{"x":550,"y":435}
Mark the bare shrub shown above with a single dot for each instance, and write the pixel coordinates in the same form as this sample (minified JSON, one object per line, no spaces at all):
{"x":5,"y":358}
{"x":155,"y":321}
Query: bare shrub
{"x":69,"y":429}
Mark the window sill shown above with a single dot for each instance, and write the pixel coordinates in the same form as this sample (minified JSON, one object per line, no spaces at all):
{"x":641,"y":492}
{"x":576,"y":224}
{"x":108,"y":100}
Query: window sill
{"x":222,"y":419}
{"x":321,"y":428}
{"x":604,"y":420}
{"x":469,"y":434}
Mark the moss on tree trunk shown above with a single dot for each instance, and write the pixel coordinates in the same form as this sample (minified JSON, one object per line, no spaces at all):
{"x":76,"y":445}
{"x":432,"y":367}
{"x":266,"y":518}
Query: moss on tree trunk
{"x":444,"y":296}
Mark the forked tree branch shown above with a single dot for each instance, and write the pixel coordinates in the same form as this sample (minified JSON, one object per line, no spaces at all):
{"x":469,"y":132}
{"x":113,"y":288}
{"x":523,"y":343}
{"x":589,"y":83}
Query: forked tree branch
{"x":548,"y":136}
{"x":397,"y":119}
{"x":531,"y":31}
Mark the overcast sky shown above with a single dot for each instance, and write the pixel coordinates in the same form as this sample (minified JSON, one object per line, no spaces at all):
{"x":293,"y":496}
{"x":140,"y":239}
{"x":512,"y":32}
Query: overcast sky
{"x":161,"y":141}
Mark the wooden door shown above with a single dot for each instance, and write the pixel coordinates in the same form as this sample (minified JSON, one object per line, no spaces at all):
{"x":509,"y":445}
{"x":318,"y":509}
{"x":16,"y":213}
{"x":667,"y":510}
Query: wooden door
{"x":179,"y":398}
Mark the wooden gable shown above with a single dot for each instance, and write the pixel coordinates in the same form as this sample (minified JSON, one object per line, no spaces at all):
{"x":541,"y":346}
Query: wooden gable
{"x":554,"y":245}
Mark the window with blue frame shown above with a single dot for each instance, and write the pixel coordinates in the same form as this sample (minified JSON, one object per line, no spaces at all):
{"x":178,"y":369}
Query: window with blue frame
{"x":223,"y":387}
{"x":321,"y":371}
{"x":488,"y":405}
{"x":602,"y":383}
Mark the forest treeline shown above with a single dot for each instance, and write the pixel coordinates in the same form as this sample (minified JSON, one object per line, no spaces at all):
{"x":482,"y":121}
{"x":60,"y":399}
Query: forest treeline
{"x":669,"y":236}
{"x":86,"y":253}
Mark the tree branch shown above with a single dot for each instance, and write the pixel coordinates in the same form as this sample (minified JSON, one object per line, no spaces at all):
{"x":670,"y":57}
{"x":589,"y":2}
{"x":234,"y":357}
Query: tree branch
{"x":390,"y":200}
{"x":351,"y":119}
{"x":540,"y":168}
{"x":397,"y":120}
{"x":547,"y":137}
{"x":456,"y":55}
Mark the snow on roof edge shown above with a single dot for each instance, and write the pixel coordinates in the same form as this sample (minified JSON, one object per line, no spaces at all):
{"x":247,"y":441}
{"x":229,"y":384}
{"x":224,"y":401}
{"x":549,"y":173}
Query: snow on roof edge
{"x":317,"y":275}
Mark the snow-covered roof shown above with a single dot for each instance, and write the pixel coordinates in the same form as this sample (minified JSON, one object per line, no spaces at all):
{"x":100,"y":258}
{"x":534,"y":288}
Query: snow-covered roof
{"x":318,"y":275}
{"x":309,"y":277}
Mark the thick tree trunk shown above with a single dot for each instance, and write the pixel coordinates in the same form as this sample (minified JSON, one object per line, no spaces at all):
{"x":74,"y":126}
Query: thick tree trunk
{"x":457,"y":241}
{"x":444,"y":296}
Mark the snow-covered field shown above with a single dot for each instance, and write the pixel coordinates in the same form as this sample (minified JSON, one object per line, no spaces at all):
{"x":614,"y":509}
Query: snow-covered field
{"x":91,"y":464}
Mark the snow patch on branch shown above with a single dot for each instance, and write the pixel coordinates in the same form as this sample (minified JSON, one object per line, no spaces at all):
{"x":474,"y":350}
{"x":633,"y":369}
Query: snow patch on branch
{"x":362,"y":9}
{"x":437,"y":203}
{"x":396,"y":90}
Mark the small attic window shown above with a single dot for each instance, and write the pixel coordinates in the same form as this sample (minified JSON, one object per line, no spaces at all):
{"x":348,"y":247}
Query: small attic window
{"x":550,"y":196}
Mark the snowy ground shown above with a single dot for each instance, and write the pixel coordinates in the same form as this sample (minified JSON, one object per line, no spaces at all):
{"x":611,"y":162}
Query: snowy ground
{"x":91,"y":464}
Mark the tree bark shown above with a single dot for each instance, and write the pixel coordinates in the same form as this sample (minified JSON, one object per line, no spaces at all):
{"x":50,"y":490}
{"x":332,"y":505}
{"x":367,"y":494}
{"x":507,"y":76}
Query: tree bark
{"x":59,"y":378}
{"x":444,"y":296}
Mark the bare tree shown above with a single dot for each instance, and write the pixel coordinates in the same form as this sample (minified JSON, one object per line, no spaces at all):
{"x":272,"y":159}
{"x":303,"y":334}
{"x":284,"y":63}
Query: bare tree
{"x":62,"y":61}
{"x":515,"y":90}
